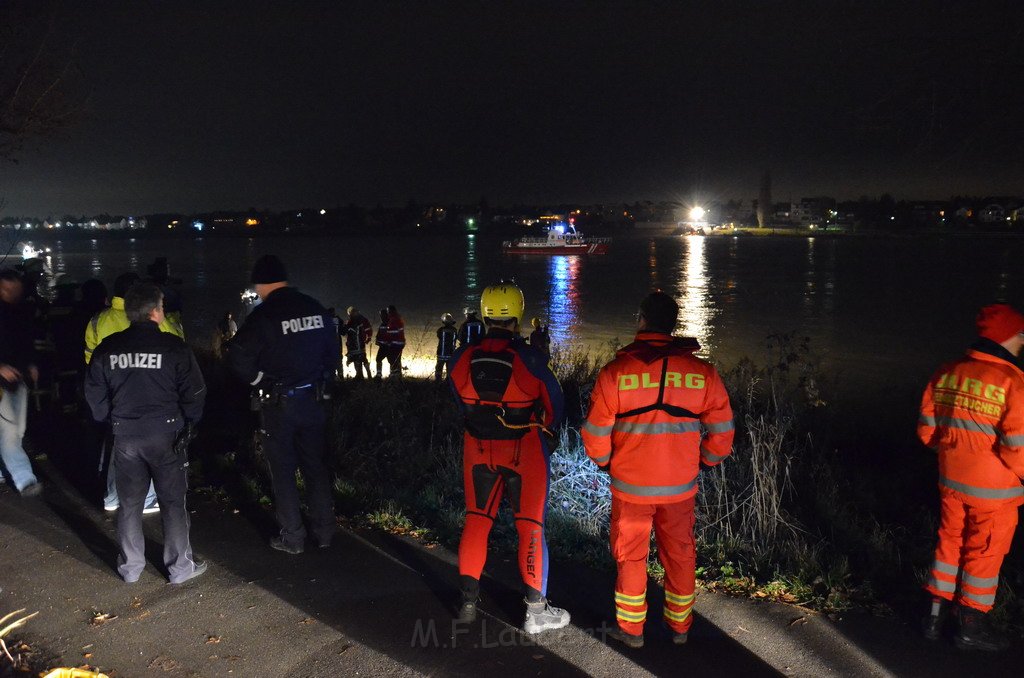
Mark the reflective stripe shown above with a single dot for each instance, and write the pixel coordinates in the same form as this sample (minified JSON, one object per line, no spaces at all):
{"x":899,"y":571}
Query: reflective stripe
{"x":678,"y":600}
{"x":630,"y":600}
{"x":945,"y":568}
{"x":966,"y":425}
{"x":630,"y":616}
{"x":597,"y":430}
{"x":678,"y":616}
{"x":602,"y":460}
{"x":983,"y":492}
{"x":507,"y":363}
{"x":711,"y":456}
{"x":257,"y":379}
{"x":980,"y":582}
{"x":947,"y":586}
{"x":657,"y":429}
{"x":653,"y":490}
{"x":926,"y":420}
{"x":720,"y":427}
{"x":980,"y":599}
{"x":1012,"y":441}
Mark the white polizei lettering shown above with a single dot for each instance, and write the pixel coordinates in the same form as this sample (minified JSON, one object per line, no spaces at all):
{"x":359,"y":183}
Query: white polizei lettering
{"x":309,"y":322}
{"x":148,"y":361}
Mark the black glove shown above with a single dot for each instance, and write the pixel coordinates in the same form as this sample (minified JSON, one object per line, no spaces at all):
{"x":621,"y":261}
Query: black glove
{"x":185,"y":436}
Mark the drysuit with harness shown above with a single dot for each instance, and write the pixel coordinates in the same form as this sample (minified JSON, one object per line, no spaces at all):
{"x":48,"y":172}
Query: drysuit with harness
{"x":510,"y":401}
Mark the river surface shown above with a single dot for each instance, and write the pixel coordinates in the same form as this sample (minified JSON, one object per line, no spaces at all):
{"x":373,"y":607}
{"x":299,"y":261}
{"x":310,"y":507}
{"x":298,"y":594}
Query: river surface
{"x":880,"y":313}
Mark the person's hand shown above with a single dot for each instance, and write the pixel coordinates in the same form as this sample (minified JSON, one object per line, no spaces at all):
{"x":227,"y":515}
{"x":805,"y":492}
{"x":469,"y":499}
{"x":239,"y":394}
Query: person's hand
{"x":9,"y":374}
{"x":33,"y":374}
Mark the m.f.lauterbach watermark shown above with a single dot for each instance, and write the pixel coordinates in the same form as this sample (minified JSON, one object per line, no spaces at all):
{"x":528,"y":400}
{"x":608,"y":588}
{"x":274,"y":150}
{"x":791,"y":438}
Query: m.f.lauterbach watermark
{"x":429,"y":633}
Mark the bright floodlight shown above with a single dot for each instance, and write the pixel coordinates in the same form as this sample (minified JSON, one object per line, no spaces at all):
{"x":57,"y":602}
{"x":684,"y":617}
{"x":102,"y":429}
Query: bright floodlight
{"x":697,"y":214}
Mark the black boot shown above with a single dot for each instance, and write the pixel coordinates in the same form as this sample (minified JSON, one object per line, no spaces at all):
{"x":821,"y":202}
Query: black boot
{"x":935,"y":621}
{"x":976,"y":632}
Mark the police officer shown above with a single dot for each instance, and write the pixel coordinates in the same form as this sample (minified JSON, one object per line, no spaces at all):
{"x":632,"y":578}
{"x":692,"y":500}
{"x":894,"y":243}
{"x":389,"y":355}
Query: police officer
{"x":288,"y":349}
{"x":148,"y":385}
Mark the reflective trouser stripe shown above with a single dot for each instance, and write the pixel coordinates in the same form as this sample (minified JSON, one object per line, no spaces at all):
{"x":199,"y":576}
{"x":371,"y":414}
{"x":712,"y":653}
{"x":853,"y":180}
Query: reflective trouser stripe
{"x":677,"y":599}
{"x":980,"y":582}
{"x":938,"y":584}
{"x":987,"y":599}
{"x":678,"y":616}
{"x":711,"y":456}
{"x":602,"y":460}
{"x":945,"y":568}
{"x":630,"y":600}
{"x":626,"y":615}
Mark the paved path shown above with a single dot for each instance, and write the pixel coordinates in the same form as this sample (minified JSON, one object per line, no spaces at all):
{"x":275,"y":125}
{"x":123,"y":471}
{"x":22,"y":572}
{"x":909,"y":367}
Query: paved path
{"x":374,"y":604}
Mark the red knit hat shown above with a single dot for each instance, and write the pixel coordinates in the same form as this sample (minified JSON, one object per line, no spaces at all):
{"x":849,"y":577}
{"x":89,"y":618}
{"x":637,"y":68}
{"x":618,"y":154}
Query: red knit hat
{"x":999,"y":322}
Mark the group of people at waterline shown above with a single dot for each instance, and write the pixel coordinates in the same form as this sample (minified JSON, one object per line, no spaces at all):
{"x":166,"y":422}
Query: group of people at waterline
{"x":657,"y":415}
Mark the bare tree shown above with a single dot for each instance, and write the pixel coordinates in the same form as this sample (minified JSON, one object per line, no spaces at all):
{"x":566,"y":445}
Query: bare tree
{"x":41,"y":88}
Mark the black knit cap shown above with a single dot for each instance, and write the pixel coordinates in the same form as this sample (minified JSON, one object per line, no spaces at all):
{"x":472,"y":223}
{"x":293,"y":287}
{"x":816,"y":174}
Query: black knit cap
{"x":268,"y":269}
{"x":661,"y":312}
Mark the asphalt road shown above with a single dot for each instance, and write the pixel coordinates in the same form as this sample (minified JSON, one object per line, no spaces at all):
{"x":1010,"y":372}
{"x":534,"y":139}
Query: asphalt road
{"x":375,"y":604}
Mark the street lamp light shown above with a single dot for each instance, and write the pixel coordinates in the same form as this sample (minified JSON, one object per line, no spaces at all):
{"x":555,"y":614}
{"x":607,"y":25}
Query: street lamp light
{"x":697,"y":214}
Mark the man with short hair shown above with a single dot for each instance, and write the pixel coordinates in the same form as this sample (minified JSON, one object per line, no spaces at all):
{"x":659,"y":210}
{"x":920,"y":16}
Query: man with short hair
{"x":147,"y":384}
{"x":102,"y":325}
{"x":972,"y":416}
{"x":644,"y":425}
{"x":510,"y":402}
{"x":17,"y":366}
{"x":288,"y":349}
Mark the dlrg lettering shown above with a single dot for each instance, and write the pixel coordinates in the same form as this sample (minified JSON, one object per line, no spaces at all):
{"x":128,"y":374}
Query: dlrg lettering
{"x":630,"y":382}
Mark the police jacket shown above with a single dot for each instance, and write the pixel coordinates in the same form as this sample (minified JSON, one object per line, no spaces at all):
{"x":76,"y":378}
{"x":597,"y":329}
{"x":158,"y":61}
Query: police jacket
{"x":647,"y":412}
{"x":114,"y":319}
{"x":17,"y":335}
{"x":285,"y":342}
{"x":145,"y":381}
{"x":446,"y":341}
{"x":504,"y":388}
{"x":972,"y":415}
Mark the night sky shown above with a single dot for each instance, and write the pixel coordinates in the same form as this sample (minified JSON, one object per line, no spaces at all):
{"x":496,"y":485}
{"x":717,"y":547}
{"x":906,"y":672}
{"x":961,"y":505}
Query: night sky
{"x":204,"y":105}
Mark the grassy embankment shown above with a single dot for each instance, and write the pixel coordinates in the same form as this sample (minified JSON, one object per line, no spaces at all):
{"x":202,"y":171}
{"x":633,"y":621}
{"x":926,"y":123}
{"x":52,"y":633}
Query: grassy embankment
{"x":788,"y":517}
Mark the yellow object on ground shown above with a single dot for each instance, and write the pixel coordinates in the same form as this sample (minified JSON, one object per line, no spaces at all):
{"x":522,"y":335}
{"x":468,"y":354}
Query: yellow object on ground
{"x":74,"y":673}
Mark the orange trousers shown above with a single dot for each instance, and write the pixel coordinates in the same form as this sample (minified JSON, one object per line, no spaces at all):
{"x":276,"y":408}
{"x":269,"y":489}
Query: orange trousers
{"x":630,"y":544}
{"x":519,"y":470}
{"x":972,"y":543}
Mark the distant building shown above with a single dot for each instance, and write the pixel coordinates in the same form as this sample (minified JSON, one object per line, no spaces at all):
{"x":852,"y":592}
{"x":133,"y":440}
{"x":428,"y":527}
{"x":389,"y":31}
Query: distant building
{"x":812,"y":211}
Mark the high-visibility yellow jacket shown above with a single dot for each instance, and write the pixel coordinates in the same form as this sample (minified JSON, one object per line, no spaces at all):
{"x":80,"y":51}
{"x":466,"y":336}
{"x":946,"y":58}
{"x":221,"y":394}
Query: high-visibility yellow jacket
{"x":972,"y":415}
{"x":646,"y":414}
{"x":114,"y":319}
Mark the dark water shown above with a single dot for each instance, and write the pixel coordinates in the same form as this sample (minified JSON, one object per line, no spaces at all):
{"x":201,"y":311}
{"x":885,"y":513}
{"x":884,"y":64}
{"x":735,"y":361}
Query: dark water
{"x":880,"y":313}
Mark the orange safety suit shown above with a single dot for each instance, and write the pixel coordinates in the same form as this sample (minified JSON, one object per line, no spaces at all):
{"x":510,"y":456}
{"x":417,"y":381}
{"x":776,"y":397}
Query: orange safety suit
{"x":972,"y":415}
{"x":501,"y":376}
{"x":644,"y":425}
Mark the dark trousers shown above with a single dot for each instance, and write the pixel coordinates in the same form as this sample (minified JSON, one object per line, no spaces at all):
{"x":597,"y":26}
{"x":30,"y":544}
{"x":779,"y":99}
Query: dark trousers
{"x":440,"y":367}
{"x":140,"y":459}
{"x":360,"y":361}
{"x":382,"y":355}
{"x":295,"y":440}
{"x":395,"y":362}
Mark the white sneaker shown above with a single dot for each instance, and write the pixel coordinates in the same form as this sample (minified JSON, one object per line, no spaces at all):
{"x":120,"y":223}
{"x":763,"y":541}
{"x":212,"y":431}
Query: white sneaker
{"x":543,"y":616}
{"x":152,"y":508}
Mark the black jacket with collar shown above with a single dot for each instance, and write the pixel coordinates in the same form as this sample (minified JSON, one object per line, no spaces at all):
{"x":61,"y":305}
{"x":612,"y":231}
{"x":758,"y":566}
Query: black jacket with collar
{"x":144,"y":381}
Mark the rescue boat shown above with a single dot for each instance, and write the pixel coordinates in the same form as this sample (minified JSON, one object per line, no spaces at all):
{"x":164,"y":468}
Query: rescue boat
{"x":560,"y":239}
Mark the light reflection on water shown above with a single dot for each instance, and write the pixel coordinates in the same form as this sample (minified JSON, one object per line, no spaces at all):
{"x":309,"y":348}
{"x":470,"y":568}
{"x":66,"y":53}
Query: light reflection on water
{"x":696,"y":312}
{"x":564,"y":299}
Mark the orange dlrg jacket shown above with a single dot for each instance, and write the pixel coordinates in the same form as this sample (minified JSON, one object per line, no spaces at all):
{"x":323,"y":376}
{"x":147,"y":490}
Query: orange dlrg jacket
{"x":972,"y":415}
{"x":646,"y":414}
